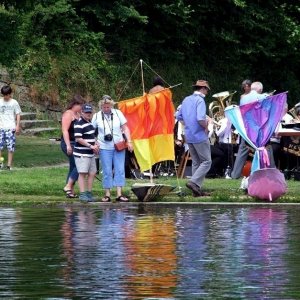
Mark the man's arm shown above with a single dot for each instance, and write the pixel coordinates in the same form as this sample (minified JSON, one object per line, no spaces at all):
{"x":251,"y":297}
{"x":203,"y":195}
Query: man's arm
{"x":83,"y":142}
{"x":204,"y":124}
{"x":201,"y":115}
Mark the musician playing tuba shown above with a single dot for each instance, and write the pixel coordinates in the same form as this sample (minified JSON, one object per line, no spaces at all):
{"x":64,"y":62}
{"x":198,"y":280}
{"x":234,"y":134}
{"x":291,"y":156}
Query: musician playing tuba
{"x":216,"y":112}
{"x":226,"y":139}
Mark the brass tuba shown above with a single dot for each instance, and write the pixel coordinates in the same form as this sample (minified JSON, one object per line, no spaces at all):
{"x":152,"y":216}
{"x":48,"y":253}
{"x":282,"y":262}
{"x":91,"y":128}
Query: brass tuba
{"x":216,"y":108}
{"x":293,"y":111}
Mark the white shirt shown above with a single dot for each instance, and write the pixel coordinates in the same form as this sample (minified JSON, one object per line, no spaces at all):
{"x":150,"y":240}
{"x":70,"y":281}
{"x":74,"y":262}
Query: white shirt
{"x":224,"y":132}
{"x":109,"y":124}
{"x":8,"y":111}
{"x":252,"y":97}
{"x":180,"y":131}
{"x":287,"y":118}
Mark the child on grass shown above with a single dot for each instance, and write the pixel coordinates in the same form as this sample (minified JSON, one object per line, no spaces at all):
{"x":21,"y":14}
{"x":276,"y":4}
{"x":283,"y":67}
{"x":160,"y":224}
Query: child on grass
{"x":9,"y":123}
{"x":84,"y":152}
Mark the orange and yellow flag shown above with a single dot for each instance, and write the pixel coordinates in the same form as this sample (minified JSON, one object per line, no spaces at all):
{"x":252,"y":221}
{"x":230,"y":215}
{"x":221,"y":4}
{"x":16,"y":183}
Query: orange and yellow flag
{"x":150,"y":119}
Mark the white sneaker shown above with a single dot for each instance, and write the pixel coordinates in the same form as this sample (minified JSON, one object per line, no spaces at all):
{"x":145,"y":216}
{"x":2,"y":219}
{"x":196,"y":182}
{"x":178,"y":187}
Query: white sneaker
{"x":244,"y":183}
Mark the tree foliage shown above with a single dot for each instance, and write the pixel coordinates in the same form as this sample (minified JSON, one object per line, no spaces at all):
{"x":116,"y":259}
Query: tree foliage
{"x":90,"y":46}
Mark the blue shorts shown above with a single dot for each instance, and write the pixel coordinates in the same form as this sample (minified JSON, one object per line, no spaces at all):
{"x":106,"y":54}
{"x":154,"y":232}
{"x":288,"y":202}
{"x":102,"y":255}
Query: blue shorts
{"x":8,"y":138}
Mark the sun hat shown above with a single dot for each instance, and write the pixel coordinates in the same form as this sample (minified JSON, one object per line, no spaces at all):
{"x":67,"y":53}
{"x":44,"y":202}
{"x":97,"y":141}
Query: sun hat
{"x":201,"y":83}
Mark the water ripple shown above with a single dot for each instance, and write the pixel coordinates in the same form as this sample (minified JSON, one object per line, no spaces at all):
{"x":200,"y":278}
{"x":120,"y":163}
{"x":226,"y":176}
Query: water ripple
{"x":150,"y":253}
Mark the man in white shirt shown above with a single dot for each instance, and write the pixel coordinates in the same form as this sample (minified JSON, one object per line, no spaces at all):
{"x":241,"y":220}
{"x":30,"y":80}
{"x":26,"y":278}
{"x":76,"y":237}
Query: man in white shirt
{"x":254,"y":95}
{"x":226,"y":144}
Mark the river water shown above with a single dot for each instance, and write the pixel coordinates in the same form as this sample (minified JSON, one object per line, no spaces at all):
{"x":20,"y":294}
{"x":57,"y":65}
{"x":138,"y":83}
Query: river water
{"x":150,"y":252}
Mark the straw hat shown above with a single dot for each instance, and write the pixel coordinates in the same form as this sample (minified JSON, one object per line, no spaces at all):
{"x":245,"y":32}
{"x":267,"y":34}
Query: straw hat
{"x":201,"y":83}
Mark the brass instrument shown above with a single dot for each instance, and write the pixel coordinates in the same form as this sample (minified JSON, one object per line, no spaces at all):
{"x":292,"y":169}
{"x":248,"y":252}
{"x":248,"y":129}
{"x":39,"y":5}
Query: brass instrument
{"x":216,"y":108}
{"x":293,"y":113}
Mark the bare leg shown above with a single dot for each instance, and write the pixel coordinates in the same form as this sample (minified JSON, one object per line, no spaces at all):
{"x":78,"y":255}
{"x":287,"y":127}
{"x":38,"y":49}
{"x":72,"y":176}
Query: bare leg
{"x":121,"y":197}
{"x":1,"y":162}
{"x":81,"y":182}
{"x":70,"y":185}
{"x":119,"y":191}
{"x":90,"y":181}
{"x":107,"y":192}
{"x":9,"y":158}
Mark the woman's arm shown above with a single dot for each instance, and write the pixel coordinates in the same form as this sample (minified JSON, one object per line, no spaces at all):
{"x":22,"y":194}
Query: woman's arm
{"x":66,"y":121}
{"x":126,"y":131}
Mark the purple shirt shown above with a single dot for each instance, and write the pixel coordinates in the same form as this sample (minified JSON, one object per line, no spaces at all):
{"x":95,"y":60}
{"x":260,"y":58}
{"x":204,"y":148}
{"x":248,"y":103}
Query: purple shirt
{"x":193,"y":110}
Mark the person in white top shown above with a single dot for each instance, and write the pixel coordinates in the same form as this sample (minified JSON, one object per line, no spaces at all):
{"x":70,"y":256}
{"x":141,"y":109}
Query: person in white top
{"x":277,"y":142}
{"x":254,"y":95}
{"x":224,"y":132}
{"x":226,"y":143}
{"x":9,"y":123}
{"x":112,"y":129}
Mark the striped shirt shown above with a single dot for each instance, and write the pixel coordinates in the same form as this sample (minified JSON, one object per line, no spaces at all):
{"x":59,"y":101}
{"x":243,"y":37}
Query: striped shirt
{"x":85,"y":130}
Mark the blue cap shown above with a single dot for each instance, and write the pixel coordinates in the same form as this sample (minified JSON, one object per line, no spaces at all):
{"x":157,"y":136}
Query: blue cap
{"x":86,"y":108}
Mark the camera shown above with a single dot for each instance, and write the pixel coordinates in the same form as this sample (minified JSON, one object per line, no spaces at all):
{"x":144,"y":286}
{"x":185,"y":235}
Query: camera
{"x":108,"y":137}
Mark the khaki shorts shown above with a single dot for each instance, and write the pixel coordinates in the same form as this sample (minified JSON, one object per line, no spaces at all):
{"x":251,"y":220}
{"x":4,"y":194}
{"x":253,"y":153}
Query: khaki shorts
{"x":86,"y":164}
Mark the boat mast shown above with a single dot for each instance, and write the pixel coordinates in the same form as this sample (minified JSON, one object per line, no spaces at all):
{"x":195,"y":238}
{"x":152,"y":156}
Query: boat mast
{"x":142,"y":73}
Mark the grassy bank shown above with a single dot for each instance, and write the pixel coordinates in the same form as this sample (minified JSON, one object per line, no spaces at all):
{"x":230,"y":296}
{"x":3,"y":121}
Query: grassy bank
{"x":27,"y":186}
{"x":37,"y":151}
{"x":36,"y":180}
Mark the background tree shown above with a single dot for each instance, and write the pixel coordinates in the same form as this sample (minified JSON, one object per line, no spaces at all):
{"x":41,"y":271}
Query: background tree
{"x":66,"y":46}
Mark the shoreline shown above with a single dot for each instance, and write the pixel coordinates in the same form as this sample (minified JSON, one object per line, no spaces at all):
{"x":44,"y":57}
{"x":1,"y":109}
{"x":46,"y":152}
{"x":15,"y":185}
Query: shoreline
{"x":129,"y":205}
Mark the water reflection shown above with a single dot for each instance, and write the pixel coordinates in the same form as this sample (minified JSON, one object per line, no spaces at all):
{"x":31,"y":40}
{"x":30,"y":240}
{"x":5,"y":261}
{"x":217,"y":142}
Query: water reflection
{"x":141,"y":252}
{"x":8,"y":242}
{"x":151,"y":260}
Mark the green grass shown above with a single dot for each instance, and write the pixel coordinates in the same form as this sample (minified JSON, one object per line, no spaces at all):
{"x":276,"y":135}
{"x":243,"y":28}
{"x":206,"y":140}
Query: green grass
{"x":43,"y":186}
{"x":36,"y":181}
{"x":36,"y":151}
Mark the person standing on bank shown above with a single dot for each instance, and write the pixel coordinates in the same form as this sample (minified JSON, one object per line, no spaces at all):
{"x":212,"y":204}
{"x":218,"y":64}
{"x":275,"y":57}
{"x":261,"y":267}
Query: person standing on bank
{"x":158,"y":85}
{"x":243,"y":152}
{"x":112,"y":127}
{"x":84,"y":152}
{"x":69,"y":117}
{"x":193,"y":115}
{"x":9,"y":123}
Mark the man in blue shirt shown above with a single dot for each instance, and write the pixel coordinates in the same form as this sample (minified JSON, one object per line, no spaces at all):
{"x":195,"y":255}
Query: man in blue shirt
{"x":192,"y":114}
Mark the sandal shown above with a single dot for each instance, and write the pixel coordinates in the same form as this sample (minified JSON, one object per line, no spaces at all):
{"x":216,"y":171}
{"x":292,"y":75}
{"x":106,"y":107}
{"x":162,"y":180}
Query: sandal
{"x":105,"y":199}
{"x":122,"y":199}
{"x":70,"y":194}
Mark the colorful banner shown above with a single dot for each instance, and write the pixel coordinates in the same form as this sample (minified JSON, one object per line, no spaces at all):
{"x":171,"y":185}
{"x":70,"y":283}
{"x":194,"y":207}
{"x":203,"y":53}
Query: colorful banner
{"x":256,"y":122}
{"x":150,"y":119}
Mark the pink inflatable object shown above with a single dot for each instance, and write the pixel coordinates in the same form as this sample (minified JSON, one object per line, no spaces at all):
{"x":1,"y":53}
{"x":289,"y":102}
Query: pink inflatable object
{"x":267,"y":184}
